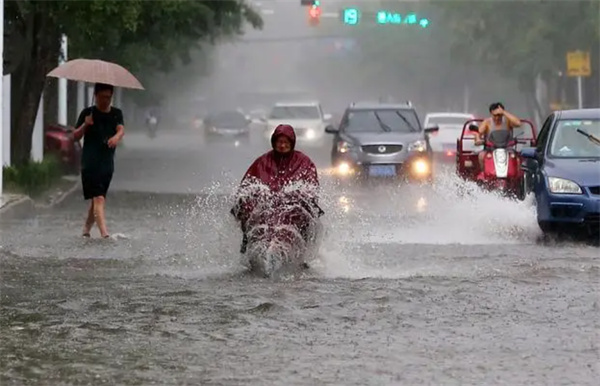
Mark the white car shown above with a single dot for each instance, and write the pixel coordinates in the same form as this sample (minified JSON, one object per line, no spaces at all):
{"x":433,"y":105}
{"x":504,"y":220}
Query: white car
{"x":307,"y":119}
{"x":443,"y":143}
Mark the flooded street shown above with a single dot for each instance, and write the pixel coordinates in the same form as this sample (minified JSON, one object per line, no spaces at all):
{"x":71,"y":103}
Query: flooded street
{"x":412,"y":287}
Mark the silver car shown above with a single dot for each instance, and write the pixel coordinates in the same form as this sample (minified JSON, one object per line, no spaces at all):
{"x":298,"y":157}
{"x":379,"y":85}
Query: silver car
{"x":381,"y":140}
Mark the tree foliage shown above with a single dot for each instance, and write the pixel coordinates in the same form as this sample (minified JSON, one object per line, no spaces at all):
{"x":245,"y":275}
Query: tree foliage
{"x":135,"y":33}
{"x":491,"y":40}
{"x":522,"y":39}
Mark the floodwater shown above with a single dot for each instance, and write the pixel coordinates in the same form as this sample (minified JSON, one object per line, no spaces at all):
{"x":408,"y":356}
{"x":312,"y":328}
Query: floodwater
{"x":412,"y":286}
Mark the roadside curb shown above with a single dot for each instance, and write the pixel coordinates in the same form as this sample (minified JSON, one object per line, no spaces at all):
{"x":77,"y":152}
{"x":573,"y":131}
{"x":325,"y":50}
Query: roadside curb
{"x":63,"y":197}
{"x":25,"y":205}
{"x":18,"y":207}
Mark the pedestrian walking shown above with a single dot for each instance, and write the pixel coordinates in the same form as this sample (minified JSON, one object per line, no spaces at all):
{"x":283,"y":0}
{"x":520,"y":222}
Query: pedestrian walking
{"x":102,"y":128}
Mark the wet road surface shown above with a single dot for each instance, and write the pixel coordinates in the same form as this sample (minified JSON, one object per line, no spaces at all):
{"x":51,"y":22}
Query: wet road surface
{"x":412,"y":287}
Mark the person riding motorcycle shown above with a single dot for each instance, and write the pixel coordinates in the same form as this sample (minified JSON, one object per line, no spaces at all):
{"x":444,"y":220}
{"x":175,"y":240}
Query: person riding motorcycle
{"x":500,"y":120}
{"x":276,"y":169}
{"x":152,"y":120}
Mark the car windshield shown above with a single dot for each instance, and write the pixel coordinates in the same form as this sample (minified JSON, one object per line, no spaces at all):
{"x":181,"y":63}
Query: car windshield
{"x":231,"y":119}
{"x":360,"y":121}
{"x":576,"y":139}
{"x":447,"y":120}
{"x":295,"y":112}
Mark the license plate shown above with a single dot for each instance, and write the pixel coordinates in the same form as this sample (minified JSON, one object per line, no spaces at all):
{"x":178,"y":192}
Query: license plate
{"x":382,"y":170}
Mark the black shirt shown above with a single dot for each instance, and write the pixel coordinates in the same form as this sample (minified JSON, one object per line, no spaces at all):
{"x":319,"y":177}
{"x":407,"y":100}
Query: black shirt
{"x":96,"y":155}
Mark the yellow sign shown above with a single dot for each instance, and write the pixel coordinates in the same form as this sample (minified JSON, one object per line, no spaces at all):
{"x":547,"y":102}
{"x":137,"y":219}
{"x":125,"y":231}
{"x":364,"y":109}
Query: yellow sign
{"x":578,"y":63}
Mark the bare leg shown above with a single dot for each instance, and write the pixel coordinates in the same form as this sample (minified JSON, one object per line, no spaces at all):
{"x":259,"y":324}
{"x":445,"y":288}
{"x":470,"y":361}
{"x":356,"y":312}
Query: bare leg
{"x":89,"y":221}
{"x":99,"y":215}
{"x":481,"y":155}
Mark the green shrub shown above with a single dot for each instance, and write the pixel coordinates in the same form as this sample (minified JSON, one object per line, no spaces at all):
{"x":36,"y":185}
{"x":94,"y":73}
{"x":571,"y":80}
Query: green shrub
{"x":33,"y":178}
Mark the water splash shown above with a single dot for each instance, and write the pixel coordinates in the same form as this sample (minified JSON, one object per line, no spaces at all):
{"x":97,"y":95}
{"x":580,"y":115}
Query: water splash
{"x":360,"y":223}
{"x":372,"y":224}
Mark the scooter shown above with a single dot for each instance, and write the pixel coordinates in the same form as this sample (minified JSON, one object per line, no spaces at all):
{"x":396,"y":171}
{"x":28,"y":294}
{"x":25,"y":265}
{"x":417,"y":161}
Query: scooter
{"x":502,"y":164}
{"x":152,"y":124}
{"x":282,"y":234}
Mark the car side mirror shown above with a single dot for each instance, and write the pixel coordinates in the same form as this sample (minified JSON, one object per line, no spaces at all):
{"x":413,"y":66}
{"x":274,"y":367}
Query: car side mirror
{"x":327,"y":116}
{"x":530,"y":153}
{"x":432,"y":129}
{"x":331,"y":130}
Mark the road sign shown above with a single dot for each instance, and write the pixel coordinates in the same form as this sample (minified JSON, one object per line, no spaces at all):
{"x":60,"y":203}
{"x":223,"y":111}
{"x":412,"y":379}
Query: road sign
{"x":385,"y":17}
{"x":578,"y":63}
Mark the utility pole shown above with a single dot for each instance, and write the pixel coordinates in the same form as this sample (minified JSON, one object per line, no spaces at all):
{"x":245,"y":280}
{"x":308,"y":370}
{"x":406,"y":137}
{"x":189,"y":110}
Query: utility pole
{"x":1,"y":94}
{"x":62,"y":84}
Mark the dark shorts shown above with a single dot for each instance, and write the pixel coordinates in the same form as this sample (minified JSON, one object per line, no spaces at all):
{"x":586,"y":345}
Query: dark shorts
{"x":95,"y":184}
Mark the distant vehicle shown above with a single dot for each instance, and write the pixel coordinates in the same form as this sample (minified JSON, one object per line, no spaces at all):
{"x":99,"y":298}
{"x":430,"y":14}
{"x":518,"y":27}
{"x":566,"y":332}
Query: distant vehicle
{"x":563,"y":170}
{"x":59,"y":141}
{"x":443,"y":143}
{"x":307,"y":119}
{"x":382,"y":140}
{"x":227,"y":124}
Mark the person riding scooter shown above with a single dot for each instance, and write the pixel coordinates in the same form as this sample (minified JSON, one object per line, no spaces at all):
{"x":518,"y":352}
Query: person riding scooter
{"x":276,"y":169}
{"x":152,"y":121}
{"x":500,"y":120}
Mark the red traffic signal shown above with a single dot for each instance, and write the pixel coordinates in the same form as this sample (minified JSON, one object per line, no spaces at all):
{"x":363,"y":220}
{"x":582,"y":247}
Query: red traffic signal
{"x":314,"y":12}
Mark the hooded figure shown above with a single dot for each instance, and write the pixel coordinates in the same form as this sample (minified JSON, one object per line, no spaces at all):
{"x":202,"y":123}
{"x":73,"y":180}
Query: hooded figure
{"x":276,"y":169}
{"x":283,"y":164}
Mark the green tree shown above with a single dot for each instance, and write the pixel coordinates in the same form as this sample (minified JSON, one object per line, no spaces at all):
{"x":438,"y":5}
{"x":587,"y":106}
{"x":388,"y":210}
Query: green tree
{"x":524,"y":39}
{"x":135,"y":33}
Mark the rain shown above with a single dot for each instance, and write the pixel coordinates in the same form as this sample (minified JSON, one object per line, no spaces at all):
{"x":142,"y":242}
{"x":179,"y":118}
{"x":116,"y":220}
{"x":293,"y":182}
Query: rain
{"x":393,"y":282}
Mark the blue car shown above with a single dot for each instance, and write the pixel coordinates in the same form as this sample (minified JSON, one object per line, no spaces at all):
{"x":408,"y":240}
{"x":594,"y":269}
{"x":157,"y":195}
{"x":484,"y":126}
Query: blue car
{"x":563,"y":171}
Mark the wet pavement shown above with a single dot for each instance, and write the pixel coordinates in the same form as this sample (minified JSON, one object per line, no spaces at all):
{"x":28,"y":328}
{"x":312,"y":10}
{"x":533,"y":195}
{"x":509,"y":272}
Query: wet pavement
{"x":412,"y":286}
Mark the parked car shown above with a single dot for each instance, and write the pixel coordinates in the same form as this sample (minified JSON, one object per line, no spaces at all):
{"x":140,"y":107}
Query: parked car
{"x":59,"y":140}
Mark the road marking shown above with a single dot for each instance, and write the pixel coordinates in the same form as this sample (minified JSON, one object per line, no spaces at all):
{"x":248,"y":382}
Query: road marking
{"x":268,"y":12}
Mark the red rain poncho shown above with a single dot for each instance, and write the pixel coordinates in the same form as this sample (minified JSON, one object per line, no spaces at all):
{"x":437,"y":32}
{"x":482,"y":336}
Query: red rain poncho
{"x":277,"y":170}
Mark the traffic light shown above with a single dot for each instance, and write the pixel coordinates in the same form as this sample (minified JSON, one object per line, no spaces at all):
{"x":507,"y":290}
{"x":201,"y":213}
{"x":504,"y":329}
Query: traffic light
{"x":314,"y":13}
{"x":309,"y":3}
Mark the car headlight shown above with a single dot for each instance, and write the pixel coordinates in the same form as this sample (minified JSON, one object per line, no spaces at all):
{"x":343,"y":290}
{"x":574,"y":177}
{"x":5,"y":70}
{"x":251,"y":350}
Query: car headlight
{"x":343,"y":147}
{"x":563,"y":186}
{"x":419,"y":146}
{"x":420,"y":167}
{"x":344,"y":169}
{"x":310,"y":134}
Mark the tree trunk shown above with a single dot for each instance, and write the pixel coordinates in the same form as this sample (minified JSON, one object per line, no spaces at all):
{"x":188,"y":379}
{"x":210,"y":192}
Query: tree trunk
{"x":29,"y":82}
